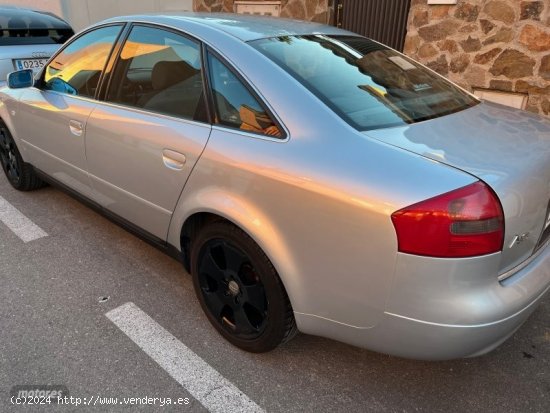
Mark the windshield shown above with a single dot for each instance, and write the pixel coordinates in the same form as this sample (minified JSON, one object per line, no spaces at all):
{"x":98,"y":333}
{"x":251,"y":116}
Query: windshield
{"x":367,"y":84}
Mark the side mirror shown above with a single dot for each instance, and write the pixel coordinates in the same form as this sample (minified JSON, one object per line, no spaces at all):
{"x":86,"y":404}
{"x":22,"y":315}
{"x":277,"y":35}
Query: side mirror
{"x":21,"y":79}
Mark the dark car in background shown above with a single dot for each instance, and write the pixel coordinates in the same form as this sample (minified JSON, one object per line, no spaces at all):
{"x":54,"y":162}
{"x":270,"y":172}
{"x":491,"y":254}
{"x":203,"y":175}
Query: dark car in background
{"x":28,"y":38}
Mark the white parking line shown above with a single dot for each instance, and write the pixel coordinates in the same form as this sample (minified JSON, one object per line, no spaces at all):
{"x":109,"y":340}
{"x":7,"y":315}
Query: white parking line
{"x":205,"y":384}
{"x":21,"y":226}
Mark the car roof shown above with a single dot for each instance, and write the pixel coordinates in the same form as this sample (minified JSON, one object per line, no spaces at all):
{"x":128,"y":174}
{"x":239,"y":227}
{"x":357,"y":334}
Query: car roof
{"x":242,"y":26}
{"x":13,"y":17}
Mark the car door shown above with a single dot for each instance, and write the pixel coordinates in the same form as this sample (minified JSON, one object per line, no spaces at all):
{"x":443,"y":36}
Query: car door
{"x":144,"y":139}
{"x":52,"y":116}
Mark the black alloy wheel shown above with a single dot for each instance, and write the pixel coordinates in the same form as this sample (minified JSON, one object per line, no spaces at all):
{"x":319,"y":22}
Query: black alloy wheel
{"x":8,"y":157}
{"x":20,"y":174}
{"x":239,"y":290}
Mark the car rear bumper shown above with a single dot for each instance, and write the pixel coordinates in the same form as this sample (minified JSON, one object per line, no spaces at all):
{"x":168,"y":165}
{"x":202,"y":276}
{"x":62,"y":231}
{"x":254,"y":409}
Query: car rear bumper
{"x":423,"y":340}
{"x":462,"y":315}
{"x":6,"y":67}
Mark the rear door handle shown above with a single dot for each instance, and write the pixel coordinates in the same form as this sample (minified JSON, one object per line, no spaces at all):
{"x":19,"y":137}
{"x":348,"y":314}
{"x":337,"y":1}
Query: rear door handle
{"x":76,"y":127}
{"x":173,"y":160}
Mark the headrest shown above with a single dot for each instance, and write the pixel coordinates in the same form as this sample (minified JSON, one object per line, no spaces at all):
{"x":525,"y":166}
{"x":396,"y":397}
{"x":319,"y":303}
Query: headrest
{"x":38,"y":28}
{"x":17,"y":27}
{"x":166,"y":74}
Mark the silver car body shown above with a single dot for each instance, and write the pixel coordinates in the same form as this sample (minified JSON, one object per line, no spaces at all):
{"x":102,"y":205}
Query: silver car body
{"x":318,"y":202}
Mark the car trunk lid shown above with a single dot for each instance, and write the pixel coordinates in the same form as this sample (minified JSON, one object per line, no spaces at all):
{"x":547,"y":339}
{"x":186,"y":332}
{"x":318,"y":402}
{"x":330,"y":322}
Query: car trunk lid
{"x":507,"y":149}
{"x":13,"y":58}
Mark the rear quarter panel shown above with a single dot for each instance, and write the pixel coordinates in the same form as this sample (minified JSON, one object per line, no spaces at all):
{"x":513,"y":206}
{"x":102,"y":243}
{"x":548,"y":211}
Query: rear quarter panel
{"x":319,"y":204}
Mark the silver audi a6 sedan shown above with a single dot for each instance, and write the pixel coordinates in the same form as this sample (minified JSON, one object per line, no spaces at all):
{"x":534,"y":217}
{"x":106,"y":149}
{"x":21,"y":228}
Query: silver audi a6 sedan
{"x":28,"y":38}
{"x":309,"y":179}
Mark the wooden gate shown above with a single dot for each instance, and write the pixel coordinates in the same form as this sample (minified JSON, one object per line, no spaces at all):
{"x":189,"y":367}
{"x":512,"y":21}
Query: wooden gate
{"x":381,"y":20}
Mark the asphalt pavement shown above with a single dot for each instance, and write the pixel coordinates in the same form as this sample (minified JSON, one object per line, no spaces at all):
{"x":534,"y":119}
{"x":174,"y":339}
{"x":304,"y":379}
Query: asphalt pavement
{"x":88,"y":306}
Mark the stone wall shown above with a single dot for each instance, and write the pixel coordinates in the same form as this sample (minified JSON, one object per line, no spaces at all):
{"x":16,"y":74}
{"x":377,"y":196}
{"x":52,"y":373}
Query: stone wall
{"x":495,"y":44}
{"x":313,"y":10}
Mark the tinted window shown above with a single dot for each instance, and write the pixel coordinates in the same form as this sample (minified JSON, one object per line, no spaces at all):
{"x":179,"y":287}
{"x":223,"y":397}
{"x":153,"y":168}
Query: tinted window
{"x":77,"y":69}
{"x":235,"y":105}
{"x":366,"y":83}
{"x":159,"y":71}
{"x":20,"y":27}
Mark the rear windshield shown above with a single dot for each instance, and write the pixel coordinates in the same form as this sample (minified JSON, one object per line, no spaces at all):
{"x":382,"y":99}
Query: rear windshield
{"x":367,"y":84}
{"x":22,"y":27}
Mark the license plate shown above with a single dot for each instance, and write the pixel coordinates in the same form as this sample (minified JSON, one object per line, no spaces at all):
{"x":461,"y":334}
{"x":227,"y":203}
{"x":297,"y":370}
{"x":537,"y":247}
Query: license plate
{"x":34,"y":64}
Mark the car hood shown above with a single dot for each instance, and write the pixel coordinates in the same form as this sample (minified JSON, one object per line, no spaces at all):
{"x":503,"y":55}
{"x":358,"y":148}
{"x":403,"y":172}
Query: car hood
{"x":506,"y":148}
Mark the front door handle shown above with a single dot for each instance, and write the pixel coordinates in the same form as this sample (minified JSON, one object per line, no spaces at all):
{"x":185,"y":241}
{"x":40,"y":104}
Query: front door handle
{"x":76,"y":127}
{"x":173,"y":160}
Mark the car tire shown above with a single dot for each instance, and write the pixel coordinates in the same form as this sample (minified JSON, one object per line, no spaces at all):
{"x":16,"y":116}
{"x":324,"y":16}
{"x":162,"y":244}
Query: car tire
{"x":20,"y":174}
{"x":239,"y":289}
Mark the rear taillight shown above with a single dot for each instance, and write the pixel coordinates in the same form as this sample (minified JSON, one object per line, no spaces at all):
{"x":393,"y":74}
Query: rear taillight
{"x":461,"y":223}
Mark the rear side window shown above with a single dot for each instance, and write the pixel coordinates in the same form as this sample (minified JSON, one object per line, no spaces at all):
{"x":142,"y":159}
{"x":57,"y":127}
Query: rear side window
{"x":159,"y":71}
{"x":236,"y":107}
{"x":368,"y":84}
{"x":20,"y":27}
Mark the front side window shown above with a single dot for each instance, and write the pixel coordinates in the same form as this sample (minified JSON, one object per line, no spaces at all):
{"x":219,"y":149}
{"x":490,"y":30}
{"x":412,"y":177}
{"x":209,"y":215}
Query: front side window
{"x":369,"y":85}
{"x":159,"y":71}
{"x":77,"y":69}
{"x":235,"y":105}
